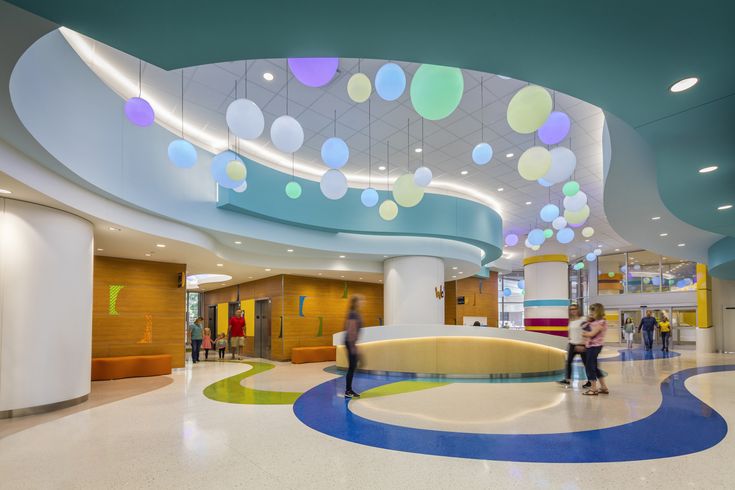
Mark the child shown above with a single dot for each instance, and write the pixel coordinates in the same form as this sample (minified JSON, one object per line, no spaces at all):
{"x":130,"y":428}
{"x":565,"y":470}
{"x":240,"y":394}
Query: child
{"x":207,"y":342}
{"x":221,"y":345}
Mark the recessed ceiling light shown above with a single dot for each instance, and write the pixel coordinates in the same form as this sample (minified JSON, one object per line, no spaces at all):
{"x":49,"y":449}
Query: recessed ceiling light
{"x":528,"y":203}
{"x":587,"y":240}
{"x":460,"y":272}
{"x":385,"y":256}
{"x":380,"y":280}
{"x":464,"y":172}
{"x":250,"y":277}
{"x":509,"y":155}
{"x":290,"y":250}
{"x":418,"y":150}
{"x":238,"y":243}
{"x":5,"y":191}
{"x":454,"y":268}
{"x":681,"y":245}
{"x":268,"y":76}
{"x":706,"y":170}
{"x":656,"y":218}
{"x":161,"y":245}
{"x":724,"y":207}
{"x":112,"y":228}
{"x":500,"y":189}
{"x":617,"y":250}
{"x":267,"y":270}
{"x":684,"y":84}
{"x":663,"y":234}
{"x":99,"y":249}
{"x":382,"y":167}
{"x":342,"y":257}
{"x":148,"y":254}
{"x":360,"y":278}
{"x":454,"y":277}
{"x":342,"y":276}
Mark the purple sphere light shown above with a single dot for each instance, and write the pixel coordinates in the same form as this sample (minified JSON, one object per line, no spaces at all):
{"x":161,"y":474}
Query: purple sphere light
{"x":511,"y":240}
{"x":313,"y":72}
{"x":555,"y":128}
{"x":139,"y":111}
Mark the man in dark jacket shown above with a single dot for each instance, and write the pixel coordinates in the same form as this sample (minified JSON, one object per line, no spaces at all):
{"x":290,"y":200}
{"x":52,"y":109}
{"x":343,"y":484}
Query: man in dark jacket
{"x":648,"y":323}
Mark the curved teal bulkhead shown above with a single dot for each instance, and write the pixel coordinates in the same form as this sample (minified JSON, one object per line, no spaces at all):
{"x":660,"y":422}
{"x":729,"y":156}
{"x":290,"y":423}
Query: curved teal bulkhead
{"x":721,"y":258}
{"x":436,"y":215}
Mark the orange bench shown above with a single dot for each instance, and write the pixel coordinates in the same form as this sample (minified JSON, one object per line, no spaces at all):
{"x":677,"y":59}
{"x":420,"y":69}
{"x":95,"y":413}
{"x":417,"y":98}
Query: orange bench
{"x":105,"y":368}
{"x":300,"y":355}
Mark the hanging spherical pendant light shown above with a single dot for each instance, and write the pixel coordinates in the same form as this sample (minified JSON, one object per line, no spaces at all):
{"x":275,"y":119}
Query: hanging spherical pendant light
{"x":575,"y":202}
{"x":335,"y":152}
{"x":388,"y":210}
{"x":534,"y":163}
{"x":529,"y":109}
{"x":588,"y":231}
{"x":577,"y":217}
{"x":511,"y":239}
{"x":333,"y":184}
{"x":536,"y":237}
{"x":570,"y":188}
{"x":559,"y":223}
{"x":482,"y":153}
{"x":549,"y":213}
{"x":406,"y":193}
{"x":369,"y":197}
{"x":313,"y":72}
{"x":436,"y":91}
{"x":390,"y":81}
{"x":219,"y":169}
{"x":422,"y":176}
{"x":245,"y":119}
{"x":287,"y":134}
{"x":563,"y":163}
{"x":555,"y":129}
{"x":139,"y":112}
{"x":359,"y":88}
{"x":565,"y":235}
{"x":293,"y":189}
{"x":182,"y":153}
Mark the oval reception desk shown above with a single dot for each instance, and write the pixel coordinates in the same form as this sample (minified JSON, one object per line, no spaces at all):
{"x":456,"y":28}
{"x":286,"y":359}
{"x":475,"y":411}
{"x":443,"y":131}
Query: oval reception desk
{"x":449,"y":350}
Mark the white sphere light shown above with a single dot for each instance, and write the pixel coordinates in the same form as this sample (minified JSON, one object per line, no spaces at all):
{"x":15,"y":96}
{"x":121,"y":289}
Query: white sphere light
{"x":597,"y":251}
{"x":529,"y":109}
{"x":559,"y":223}
{"x":406,"y":193}
{"x":333,"y":184}
{"x":287,"y":134}
{"x":422,"y":176}
{"x":577,"y":217}
{"x":565,"y":235}
{"x":527,"y":243}
{"x":242,"y":187}
{"x":588,"y":231}
{"x":335,"y":152}
{"x":388,"y":210}
{"x":534,"y":163}
{"x":390,"y":81}
{"x":369,"y":197}
{"x":563,"y":163}
{"x":536,"y":237}
{"x":549,"y":213}
{"x":482,"y":153}
{"x":245,"y":119}
{"x":575,"y":202}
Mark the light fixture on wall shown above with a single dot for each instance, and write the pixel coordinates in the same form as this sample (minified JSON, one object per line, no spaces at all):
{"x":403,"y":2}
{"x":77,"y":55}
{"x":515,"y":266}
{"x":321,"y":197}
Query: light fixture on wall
{"x":137,"y":109}
{"x":180,"y":152}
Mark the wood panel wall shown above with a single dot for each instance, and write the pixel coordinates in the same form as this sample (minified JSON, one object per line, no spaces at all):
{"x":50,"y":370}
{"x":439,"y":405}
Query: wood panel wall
{"x":150,"y":316}
{"x":324,"y":299}
{"x":481,"y":299}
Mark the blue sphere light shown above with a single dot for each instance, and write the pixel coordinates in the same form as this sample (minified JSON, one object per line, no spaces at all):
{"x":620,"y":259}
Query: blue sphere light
{"x":335,"y":152}
{"x":549,"y":213}
{"x":591,"y":257}
{"x":219,"y":169}
{"x":624,"y":269}
{"x":681,"y":284}
{"x":545,"y":183}
{"x":521,"y":284}
{"x":482,"y":153}
{"x":390,"y":81}
{"x":507,"y":292}
{"x":182,"y":153}
{"x":565,"y":235}
{"x":656,"y":280}
{"x":511,"y":239}
{"x":369,"y":197}
{"x":536,"y":237}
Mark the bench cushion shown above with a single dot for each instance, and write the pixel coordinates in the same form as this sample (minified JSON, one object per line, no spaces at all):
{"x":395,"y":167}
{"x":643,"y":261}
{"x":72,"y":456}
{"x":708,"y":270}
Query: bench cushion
{"x":300,"y":355}
{"x":104,"y":368}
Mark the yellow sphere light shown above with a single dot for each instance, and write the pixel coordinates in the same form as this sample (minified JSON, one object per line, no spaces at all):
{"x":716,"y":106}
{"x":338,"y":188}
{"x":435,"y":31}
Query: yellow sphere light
{"x":236,"y":170}
{"x":534,"y":163}
{"x":577,"y":217}
{"x":359,"y":88}
{"x":588,"y":231}
{"x":406,"y":192}
{"x":388,"y":210}
{"x":529,"y":109}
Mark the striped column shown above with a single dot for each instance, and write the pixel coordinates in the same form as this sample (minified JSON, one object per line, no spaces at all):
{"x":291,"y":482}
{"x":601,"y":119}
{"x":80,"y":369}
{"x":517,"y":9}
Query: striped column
{"x":546,"y":301}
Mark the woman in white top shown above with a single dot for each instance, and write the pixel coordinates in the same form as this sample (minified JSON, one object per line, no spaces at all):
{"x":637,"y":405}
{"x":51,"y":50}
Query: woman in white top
{"x":576,"y":344}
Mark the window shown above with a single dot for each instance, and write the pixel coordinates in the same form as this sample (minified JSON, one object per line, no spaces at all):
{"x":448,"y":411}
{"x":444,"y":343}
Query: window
{"x":510,"y":300}
{"x":643,"y":272}
{"x":193,"y":306}
{"x":638,"y":272}
{"x":678,"y":275}
{"x":610,"y":278}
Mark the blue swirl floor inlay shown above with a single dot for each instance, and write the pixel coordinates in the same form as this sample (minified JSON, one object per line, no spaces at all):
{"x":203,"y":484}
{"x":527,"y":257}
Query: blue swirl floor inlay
{"x":681,"y":425}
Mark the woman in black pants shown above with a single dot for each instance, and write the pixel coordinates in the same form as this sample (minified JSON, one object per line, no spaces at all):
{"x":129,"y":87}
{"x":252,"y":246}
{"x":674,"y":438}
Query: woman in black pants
{"x":352,"y":331}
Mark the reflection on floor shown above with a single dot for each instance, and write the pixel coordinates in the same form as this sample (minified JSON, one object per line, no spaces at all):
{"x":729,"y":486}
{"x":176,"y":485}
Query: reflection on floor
{"x":175,"y":435}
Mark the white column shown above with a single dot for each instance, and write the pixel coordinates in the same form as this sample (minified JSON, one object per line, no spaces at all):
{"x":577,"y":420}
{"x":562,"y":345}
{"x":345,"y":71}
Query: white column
{"x":546,"y":300}
{"x":410,"y":291}
{"x":45,"y":306}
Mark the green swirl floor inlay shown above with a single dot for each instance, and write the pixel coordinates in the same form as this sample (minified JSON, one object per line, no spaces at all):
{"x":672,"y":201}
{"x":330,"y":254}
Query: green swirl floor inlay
{"x":229,"y":390}
{"x":401,"y":387}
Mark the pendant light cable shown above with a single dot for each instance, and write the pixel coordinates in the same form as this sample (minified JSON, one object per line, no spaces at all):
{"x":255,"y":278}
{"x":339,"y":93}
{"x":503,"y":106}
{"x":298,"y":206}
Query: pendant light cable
{"x":482,"y":108}
{"x":182,"y":103}
{"x":140,"y":77}
{"x":370,"y":146}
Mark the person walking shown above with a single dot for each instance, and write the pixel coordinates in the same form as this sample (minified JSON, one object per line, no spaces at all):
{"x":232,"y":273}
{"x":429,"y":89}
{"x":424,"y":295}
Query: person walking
{"x":628,"y":331}
{"x":207,"y":342}
{"x":236,"y":332}
{"x":648,"y":323}
{"x":195,"y":338}
{"x":664,"y":327}
{"x":595,"y":339}
{"x":352,"y":332}
{"x":576,"y":345}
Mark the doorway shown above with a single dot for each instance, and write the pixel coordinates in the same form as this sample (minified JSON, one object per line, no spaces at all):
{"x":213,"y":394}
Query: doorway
{"x":636,"y":316}
{"x":728,"y":329}
{"x":262,"y":345}
{"x":212,"y":320}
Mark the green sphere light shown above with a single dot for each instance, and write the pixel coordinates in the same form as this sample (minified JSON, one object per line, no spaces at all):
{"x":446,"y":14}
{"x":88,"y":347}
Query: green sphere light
{"x":293,"y":189}
{"x":436,"y":91}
